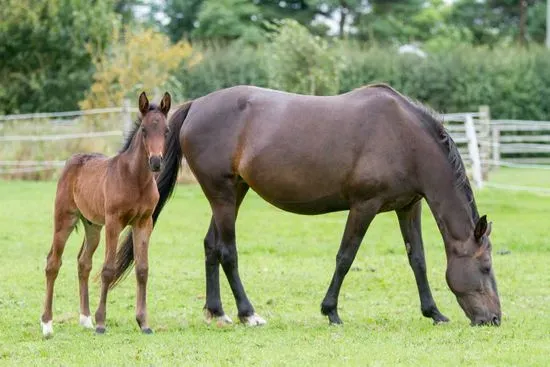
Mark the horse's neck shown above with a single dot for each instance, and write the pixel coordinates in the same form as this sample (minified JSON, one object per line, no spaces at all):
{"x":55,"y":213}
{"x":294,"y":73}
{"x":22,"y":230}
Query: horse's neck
{"x":136,"y":160}
{"x":452,"y":213}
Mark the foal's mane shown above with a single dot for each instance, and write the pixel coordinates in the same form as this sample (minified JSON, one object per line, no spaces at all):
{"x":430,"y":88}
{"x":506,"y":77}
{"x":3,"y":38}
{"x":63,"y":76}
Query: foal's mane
{"x":434,"y":124}
{"x":132,"y":133}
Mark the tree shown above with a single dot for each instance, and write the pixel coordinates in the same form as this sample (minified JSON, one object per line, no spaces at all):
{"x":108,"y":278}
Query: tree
{"x":229,"y":20}
{"x":392,"y":21}
{"x":493,"y":21}
{"x":143,"y":61}
{"x":46,"y":50}
{"x":182,"y":15}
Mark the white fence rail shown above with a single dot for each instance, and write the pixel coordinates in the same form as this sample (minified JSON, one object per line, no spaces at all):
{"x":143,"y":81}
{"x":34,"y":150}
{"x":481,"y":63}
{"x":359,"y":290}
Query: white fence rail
{"x":485,"y":145}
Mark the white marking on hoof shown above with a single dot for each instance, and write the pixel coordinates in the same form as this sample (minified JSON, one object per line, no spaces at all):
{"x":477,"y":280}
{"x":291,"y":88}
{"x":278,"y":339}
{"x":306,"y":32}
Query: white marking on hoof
{"x":254,"y":320}
{"x":221,"y":321}
{"x":86,"y":321}
{"x":47,"y":328}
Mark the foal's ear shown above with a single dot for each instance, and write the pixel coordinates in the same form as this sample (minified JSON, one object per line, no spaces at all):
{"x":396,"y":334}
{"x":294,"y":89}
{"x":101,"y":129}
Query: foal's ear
{"x":143,"y":104}
{"x":482,"y":228}
{"x":165,"y":103}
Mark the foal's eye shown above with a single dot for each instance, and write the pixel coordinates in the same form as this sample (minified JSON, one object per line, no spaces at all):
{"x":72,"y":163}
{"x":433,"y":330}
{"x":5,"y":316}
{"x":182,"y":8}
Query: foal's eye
{"x":486,"y":269}
{"x":144,"y":132}
{"x":166,"y":132}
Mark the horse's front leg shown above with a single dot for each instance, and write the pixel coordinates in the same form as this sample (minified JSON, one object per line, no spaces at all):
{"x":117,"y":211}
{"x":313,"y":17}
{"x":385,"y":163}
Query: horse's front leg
{"x":359,"y":219}
{"x":141,"y":232}
{"x":113,"y":227}
{"x":409,"y":222}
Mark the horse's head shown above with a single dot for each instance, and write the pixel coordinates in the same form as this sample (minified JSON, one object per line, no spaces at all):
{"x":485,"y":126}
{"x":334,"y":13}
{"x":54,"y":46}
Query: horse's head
{"x":471,"y":278}
{"x":154,"y":128}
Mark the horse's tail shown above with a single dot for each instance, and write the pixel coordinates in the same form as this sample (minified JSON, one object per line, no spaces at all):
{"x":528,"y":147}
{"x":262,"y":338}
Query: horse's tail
{"x":166,"y":182}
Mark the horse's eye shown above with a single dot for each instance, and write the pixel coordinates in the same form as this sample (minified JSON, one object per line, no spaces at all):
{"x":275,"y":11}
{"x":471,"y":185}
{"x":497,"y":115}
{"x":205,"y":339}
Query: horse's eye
{"x":166,"y":132}
{"x":486,"y":269}
{"x":144,"y":132}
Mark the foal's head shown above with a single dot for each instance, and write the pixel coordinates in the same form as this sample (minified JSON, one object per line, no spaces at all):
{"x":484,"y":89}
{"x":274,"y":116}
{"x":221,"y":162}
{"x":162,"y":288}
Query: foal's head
{"x":470,"y":276}
{"x":154,"y":128}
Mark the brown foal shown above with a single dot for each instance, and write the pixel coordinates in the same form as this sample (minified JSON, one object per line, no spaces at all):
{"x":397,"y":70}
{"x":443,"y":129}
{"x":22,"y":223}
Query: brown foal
{"x":113,"y":192}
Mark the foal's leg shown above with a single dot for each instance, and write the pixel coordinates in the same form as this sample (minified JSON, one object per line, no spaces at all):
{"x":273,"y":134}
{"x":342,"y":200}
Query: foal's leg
{"x":409,"y":221}
{"x":141,"y":233}
{"x":213,"y":307}
{"x":359,"y":218}
{"x":89,"y":246}
{"x":64,"y":221}
{"x":113,"y":227}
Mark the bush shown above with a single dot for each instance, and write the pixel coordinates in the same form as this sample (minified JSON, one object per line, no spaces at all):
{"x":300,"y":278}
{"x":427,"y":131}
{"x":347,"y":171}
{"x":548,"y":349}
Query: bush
{"x":300,"y":62}
{"x":222,"y":67}
{"x":514,"y":82}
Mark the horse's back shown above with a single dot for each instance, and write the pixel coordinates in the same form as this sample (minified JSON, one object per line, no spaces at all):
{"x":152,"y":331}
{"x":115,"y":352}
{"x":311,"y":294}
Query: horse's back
{"x":302,"y":153}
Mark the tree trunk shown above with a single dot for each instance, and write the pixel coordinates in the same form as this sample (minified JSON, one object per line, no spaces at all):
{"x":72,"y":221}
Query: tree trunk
{"x":522,"y":21}
{"x":343,"y":16}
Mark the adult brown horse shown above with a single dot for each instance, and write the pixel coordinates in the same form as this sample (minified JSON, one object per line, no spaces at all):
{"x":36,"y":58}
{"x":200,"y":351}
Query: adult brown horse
{"x":367,"y":151}
{"x":111,"y":192}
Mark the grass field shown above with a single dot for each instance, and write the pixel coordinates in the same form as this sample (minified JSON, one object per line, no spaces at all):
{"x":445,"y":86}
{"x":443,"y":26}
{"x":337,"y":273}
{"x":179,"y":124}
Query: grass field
{"x":286,"y":262}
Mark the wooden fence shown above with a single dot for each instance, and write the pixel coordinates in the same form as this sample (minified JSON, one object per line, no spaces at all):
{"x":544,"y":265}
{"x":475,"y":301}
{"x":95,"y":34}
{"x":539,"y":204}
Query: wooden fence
{"x":484,"y":144}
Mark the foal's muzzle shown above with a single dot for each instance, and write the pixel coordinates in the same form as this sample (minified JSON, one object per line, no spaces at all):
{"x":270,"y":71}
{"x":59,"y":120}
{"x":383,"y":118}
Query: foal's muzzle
{"x":155,"y":163}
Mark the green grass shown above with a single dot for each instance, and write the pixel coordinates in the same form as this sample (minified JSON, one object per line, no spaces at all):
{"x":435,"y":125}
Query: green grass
{"x":286,"y":262}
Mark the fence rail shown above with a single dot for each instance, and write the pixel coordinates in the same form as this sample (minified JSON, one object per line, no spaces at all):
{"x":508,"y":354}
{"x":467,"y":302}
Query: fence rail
{"x":484,"y":144}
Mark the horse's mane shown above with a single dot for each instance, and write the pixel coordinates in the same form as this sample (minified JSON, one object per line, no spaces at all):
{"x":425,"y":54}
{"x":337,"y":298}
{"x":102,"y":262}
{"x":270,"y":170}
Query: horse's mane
{"x":130,"y":135}
{"x":434,"y":124}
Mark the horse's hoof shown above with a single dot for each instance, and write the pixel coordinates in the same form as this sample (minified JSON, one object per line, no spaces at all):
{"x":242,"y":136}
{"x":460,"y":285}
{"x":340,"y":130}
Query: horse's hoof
{"x":221,"y":321}
{"x":334,"y":319}
{"x":253,"y":320}
{"x":147,"y":331}
{"x":100,"y":330}
{"x":440,"y":320}
{"x":47,"y":329}
{"x":86,"y":321}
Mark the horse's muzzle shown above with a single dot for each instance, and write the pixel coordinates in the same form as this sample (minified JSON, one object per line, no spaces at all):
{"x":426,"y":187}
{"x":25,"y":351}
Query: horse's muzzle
{"x":155,"y":163}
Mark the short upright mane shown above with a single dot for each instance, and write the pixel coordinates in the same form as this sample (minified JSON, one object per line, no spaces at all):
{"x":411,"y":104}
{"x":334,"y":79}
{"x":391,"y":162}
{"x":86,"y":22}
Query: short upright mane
{"x":433,"y":122}
{"x":135,"y":129}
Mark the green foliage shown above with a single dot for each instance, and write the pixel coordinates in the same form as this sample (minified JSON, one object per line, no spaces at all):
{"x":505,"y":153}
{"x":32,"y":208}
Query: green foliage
{"x":182,"y":15}
{"x":302,"y":63}
{"x":229,"y":20}
{"x":221,"y":67}
{"x":514,"y":82}
{"x":46,"y":50}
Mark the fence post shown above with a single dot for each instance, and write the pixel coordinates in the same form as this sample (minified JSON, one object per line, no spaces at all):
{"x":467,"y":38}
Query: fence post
{"x":495,"y":142}
{"x":473,"y":150}
{"x":485,"y":140}
{"x":127,"y":116}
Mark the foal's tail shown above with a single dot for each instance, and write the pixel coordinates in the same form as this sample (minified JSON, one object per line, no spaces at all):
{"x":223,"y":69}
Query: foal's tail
{"x":166,"y":182}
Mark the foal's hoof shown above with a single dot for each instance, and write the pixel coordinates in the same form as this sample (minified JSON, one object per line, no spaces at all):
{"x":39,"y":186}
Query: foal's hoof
{"x":221,"y":321}
{"x":86,"y":321}
{"x":253,"y":320}
{"x":100,"y":330}
{"x":47,"y":329}
{"x":147,"y":331}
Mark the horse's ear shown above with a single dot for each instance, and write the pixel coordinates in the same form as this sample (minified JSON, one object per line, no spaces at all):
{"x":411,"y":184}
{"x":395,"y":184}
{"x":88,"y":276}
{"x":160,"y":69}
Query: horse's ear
{"x":165,"y":103}
{"x":143,"y":104}
{"x":482,"y":228}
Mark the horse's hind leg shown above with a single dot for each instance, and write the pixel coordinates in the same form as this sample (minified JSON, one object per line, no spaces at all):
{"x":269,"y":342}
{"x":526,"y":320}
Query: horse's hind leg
{"x":409,"y":221}
{"x":225,"y":201}
{"x":64,"y":222}
{"x":213,"y":308}
{"x":89,"y":246}
{"x":359,"y":219}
